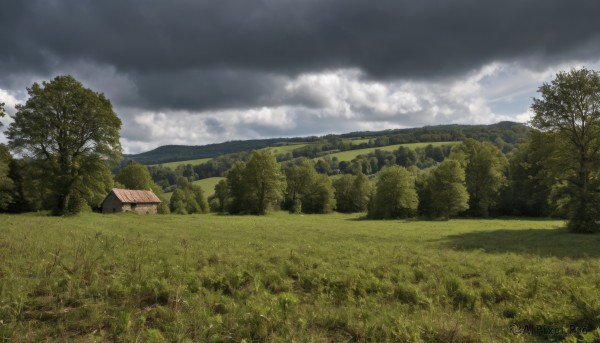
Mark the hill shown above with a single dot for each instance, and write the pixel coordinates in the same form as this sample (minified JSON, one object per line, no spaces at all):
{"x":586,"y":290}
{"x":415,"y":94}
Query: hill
{"x":352,"y":154}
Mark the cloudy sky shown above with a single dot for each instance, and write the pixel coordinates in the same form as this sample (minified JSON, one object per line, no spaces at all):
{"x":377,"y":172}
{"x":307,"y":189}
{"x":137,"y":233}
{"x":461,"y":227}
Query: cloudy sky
{"x":204,"y":71}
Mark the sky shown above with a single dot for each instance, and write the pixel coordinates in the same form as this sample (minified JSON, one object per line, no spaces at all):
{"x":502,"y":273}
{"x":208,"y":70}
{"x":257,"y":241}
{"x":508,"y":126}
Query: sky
{"x":196,"y":72}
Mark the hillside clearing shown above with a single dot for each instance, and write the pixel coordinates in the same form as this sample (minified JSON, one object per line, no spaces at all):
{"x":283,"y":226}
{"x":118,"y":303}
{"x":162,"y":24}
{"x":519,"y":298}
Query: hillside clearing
{"x":174,"y":165}
{"x":352,"y":154}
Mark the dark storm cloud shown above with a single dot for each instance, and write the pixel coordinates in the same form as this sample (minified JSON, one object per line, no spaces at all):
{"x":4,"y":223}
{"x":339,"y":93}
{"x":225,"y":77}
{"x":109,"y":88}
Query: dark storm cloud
{"x":214,"y":89}
{"x":213,"y":54}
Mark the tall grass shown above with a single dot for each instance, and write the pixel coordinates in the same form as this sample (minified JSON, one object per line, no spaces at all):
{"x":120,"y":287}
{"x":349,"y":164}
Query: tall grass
{"x":293,"y":278}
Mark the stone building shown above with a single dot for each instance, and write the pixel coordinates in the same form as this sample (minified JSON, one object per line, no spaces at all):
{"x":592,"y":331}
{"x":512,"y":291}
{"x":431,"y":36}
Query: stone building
{"x":128,"y":200}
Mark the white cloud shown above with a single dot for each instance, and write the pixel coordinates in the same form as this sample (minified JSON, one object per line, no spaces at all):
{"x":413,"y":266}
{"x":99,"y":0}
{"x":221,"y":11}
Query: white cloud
{"x":333,"y":101}
{"x":10,"y":100}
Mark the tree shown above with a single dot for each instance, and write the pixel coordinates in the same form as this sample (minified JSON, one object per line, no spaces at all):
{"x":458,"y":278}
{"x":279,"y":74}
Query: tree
{"x":135,"y":176}
{"x":6,"y":183}
{"x":299,"y":177}
{"x":236,"y":188}
{"x":485,"y":168}
{"x":447,"y":190}
{"x":73,"y":131}
{"x":178,"y":202}
{"x":352,"y":193}
{"x":343,"y":193}
{"x":319,"y":197}
{"x":395,"y":195}
{"x":568,"y":111}
{"x":529,"y":185}
{"x":264,"y":182}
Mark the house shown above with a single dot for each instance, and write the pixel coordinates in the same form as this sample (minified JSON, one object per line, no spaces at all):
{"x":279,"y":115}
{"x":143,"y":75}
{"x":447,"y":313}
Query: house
{"x":128,"y":200}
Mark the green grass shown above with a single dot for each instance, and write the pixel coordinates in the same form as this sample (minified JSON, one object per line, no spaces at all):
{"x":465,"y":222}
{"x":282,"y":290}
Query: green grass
{"x":352,"y":154}
{"x":291,"y":278}
{"x":359,"y":141}
{"x":284,"y":149}
{"x":174,"y":165}
{"x":208,"y":186}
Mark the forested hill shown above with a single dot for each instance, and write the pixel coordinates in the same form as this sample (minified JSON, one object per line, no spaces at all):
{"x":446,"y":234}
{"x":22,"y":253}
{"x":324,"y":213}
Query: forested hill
{"x":507,"y":132}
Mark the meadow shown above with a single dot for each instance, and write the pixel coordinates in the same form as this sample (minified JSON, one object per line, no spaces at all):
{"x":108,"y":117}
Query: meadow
{"x":174,"y":165}
{"x":294,"y":278}
{"x":352,"y":154}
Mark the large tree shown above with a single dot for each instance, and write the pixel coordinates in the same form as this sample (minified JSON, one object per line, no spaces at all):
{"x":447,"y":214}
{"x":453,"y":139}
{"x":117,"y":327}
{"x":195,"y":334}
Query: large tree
{"x":73,"y":131}
{"x":264,"y":182}
{"x":447,"y":190}
{"x":395,"y":195}
{"x":352,"y":193}
{"x":568,"y":112}
{"x":6,"y":184}
{"x":135,"y":176}
{"x":485,"y":168}
{"x":299,"y":177}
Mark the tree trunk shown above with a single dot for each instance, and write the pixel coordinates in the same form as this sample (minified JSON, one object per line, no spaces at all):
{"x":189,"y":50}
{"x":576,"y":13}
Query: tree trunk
{"x":582,"y":218}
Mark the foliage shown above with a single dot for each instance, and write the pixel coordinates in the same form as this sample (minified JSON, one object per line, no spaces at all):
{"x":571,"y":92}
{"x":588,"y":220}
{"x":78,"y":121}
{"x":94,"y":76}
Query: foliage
{"x":306,"y":190}
{"x":219,"y":199}
{"x":568,"y":112}
{"x":72,"y":131}
{"x":236,"y":187}
{"x":352,"y":193}
{"x":485,"y":168}
{"x":395,"y":195}
{"x":319,"y":196}
{"x":263,"y":181}
{"x":529,"y":182}
{"x":135,"y":176}
{"x":188,"y":198}
{"x":446,"y":191}
{"x":6,"y":183}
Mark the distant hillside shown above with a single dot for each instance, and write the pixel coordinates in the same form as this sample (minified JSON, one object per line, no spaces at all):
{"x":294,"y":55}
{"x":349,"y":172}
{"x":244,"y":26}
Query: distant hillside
{"x":506,"y":132}
{"x":175,"y":153}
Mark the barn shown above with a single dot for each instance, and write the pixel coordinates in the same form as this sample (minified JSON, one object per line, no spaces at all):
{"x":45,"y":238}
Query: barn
{"x":128,"y":200}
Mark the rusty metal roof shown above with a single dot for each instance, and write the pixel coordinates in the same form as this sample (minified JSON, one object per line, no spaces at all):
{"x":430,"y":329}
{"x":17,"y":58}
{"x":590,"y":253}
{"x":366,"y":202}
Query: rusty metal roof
{"x":127,"y":196}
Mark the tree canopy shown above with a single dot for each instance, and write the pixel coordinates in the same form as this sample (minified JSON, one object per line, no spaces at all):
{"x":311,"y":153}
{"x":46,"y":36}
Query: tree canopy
{"x":484,"y":167}
{"x":135,"y":176}
{"x":6,"y":184}
{"x":263,"y":180}
{"x":568,"y":112}
{"x":447,"y":191}
{"x":72,"y":132}
{"x":395,"y":195}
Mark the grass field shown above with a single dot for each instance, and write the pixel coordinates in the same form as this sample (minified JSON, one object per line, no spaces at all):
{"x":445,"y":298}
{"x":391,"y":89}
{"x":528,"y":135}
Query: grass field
{"x":358,"y":141}
{"x":352,"y":154}
{"x":208,"y":186}
{"x":284,"y":149}
{"x":290,"y":278}
{"x":174,"y":165}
